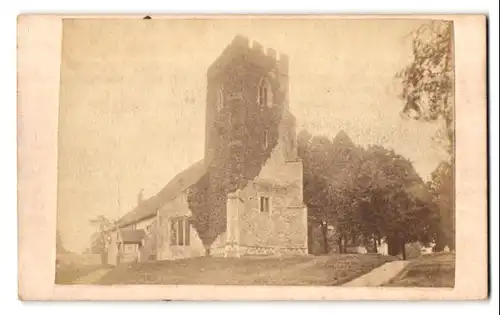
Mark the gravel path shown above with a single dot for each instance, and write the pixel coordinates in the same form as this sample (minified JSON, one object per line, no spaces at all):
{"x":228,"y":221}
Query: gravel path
{"x":380,"y":275}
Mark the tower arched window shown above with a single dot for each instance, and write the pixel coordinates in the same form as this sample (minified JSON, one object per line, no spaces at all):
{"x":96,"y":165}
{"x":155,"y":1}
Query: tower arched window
{"x":265,"y":141}
{"x":220,"y":98}
{"x":265,"y":97}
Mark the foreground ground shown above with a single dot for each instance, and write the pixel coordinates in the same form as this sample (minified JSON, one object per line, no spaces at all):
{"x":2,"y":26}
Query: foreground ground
{"x":71,"y":267}
{"x":435,"y":270}
{"x":380,"y":275}
{"x":311,"y":270}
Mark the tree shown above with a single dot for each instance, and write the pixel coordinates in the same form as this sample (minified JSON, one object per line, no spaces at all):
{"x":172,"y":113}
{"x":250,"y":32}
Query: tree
{"x":427,"y":82}
{"x":400,"y":217}
{"x":314,"y":152}
{"x":100,"y":239}
{"x":330,"y":168}
{"x":367,"y":194}
{"x":427,"y":90}
{"x":388,"y":200}
{"x":345,"y":188}
{"x":442,"y":187}
{"x":408,"y":202}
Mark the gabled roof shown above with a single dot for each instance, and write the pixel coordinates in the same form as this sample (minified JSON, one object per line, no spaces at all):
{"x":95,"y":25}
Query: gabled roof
{"x":132,"y":236}
{"x":176,"y":186}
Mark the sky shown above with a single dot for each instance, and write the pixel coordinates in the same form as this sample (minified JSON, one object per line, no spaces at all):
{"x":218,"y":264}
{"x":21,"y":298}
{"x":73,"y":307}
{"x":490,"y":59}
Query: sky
{"x":132,"y":100}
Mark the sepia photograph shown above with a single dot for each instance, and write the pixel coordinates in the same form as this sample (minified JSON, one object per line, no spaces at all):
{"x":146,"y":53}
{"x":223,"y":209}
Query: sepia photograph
{"x":256,"y":151}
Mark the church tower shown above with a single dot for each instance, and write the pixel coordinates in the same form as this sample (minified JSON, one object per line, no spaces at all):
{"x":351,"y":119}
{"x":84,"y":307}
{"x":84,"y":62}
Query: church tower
{"x":244,"y":79}
{"x":254,"y":194}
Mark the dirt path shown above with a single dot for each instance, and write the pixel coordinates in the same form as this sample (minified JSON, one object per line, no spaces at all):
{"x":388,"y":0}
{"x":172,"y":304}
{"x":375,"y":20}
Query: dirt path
{"x":92,"y":277}
{"x":380,"y":275}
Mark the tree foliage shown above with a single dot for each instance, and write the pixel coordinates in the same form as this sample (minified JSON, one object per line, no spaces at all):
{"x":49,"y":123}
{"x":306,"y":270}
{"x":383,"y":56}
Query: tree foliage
{"x":427,"y":91}
{"x":427,"y":82}
{"x":367,"y":194}
{"x":442,"y":187}
{"x":391,"y":201}
{"x":101,"y":237}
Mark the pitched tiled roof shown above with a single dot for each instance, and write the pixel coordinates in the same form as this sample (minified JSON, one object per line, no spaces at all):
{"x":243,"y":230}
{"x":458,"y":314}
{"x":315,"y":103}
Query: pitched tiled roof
{"x":177,"y":185}
{"x":132,"y":236}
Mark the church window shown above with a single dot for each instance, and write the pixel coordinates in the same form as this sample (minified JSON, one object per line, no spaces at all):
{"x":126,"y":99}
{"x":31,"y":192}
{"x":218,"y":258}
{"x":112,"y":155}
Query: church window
{"x":220,"y":99}
{"x":265,"y":97}
{"x":180,"y":231}
{"x":265,"y":140}
{"x":264,"y":205}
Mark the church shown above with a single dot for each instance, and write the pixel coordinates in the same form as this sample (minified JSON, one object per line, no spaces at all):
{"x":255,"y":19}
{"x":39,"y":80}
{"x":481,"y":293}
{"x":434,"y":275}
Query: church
{"x":245,"y":197}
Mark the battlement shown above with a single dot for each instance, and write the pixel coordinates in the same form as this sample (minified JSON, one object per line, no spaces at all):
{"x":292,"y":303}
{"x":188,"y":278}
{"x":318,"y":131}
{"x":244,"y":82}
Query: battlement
{"x":254,"y":52}
{"x":254,"y":46}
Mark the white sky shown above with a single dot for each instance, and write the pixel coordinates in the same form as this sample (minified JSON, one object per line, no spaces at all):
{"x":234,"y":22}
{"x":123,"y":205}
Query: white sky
{"x":133,"y":100}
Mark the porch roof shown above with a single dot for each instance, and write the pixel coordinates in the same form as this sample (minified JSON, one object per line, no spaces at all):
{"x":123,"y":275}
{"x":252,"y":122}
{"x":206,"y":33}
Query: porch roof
{"x":132,"y":236}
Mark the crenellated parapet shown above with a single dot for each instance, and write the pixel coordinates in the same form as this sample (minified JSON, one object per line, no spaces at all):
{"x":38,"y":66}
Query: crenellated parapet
{"x":241,"y":49}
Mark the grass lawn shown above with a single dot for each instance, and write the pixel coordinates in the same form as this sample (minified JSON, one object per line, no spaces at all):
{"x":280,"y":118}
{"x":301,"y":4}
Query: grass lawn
{"x":73,"y":266}
{"x":68,"y":274}
{"x":434,"y":270}
{"x":310,"y":270}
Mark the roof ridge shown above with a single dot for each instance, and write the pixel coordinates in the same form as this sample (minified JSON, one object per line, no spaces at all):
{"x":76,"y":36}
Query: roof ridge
{"x":178,"y":184}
